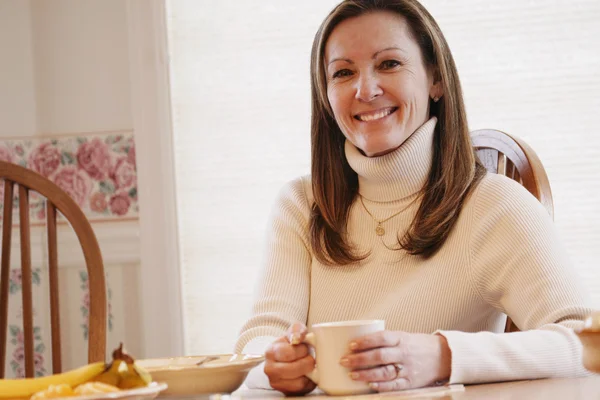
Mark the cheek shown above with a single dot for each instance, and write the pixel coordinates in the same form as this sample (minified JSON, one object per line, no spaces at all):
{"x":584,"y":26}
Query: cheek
{"x":338,"y":101}
{"x":413,"y":90}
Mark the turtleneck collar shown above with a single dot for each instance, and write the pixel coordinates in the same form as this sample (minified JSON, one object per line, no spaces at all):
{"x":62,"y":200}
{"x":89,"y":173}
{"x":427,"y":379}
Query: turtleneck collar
{"x":396,"y":175}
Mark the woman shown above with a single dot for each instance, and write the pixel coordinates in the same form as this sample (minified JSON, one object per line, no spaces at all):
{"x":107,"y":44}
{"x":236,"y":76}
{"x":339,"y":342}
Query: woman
{"x":399,"y":221}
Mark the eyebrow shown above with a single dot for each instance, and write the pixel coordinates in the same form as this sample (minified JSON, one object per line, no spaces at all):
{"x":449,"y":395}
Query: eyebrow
{"x":373,"y":57}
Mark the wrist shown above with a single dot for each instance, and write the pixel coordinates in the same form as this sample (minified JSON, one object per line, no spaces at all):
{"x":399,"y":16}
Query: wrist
{"x":445,"y":366}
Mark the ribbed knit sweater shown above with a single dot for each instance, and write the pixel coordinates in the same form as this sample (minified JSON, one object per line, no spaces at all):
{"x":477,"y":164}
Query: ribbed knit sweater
{"x":503,"y":256}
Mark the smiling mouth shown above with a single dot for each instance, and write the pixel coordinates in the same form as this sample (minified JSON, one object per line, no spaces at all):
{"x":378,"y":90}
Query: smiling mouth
{"x":375,"y":115}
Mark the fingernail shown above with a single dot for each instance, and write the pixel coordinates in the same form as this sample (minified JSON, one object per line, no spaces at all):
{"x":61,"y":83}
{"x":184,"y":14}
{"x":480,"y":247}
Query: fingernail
{"x":374,"y":385}
{"x":354,"y":375}
{"x":294,"y":338}
{"x":345,"y":362}
{"x":353,"y":346}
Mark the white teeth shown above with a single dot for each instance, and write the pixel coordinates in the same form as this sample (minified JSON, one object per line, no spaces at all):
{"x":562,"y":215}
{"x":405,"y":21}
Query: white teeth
{"x":378,"y":115}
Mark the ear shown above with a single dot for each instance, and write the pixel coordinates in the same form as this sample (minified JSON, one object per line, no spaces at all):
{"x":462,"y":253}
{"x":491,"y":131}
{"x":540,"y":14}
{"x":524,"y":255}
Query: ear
{"x":436,"y":91}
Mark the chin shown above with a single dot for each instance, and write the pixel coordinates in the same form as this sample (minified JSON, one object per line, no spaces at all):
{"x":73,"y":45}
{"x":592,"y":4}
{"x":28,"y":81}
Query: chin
{"x":380,"y":149}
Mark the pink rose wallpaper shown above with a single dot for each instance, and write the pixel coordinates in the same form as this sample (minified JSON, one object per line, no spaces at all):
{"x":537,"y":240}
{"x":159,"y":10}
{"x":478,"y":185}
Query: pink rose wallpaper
{"x":98,"y":202}
{"x":120,"y":203}
{"x":123,"y":173}
{"x":85,"y":304}
{"x":44,"y":159}
{"x":6,"y":154}
{"x":16,"y":362}
{"x":94,"y":158}
{"x":74,"y":182}
{"x":98,"y":171}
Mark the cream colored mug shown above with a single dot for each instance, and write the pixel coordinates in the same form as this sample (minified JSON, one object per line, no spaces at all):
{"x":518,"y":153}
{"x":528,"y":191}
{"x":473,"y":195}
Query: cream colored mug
{"x":331,"y":342}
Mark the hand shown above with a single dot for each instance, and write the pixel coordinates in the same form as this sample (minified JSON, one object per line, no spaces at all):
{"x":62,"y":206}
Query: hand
{"x":287,"y":361}
{"x":391,"y":361}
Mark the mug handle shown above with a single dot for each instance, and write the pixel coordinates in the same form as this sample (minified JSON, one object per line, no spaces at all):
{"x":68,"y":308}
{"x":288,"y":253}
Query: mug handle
{"x":309,"y":340}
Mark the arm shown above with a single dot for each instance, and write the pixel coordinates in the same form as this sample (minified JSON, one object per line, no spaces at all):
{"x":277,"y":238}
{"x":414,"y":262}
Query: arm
{"x":519,"y":266}
{"x":282,"y":295}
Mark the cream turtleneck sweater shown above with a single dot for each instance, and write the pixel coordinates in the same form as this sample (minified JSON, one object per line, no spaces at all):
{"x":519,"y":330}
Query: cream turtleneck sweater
{"x":503,"y":256}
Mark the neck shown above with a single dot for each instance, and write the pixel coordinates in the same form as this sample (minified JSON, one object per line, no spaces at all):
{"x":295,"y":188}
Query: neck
{"x":398,"y":174}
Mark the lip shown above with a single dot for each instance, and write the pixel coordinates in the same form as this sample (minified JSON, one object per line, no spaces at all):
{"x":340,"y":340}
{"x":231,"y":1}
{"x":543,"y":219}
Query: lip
{"x":375,"y":112}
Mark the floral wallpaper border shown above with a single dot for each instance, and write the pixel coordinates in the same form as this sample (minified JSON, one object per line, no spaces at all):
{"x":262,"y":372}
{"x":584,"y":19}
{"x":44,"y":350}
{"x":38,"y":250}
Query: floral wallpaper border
{"x":97,"y":170}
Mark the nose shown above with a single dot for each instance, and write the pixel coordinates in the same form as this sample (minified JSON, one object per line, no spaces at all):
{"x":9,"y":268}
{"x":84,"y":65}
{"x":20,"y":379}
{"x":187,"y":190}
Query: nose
{"x":368,"y":88}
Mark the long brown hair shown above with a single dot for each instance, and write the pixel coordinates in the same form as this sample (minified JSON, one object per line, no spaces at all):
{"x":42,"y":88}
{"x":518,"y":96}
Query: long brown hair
{"x":455,"y":170}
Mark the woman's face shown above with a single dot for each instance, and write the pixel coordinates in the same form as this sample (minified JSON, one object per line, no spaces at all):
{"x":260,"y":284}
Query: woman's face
{"x":377,"y":83}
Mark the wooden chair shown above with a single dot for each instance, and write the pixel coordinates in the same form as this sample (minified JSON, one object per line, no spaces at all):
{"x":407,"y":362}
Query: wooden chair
{"x":56,"y":199}
{"x":512,"y":157}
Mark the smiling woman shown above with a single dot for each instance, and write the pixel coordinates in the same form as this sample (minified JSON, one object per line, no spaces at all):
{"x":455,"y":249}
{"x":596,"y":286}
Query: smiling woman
{"x":392,"y":63}
{"x":400,"y":222}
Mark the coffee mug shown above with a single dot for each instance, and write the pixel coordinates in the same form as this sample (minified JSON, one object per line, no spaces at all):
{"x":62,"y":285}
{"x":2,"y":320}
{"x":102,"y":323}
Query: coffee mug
{"x":331,"y":342}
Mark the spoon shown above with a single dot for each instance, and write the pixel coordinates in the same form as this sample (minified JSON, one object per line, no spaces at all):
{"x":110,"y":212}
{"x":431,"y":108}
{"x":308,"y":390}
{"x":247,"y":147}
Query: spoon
{"x":206,"y":359}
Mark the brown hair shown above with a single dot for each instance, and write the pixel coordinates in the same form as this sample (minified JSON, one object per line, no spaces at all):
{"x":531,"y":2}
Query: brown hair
{"x":455,"y":170}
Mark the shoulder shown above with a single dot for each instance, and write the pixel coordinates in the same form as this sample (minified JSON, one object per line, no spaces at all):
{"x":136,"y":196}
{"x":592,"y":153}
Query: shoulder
{"x":297,"y":191}
{"x":291,"y":211}
{"x":499,"y":194}
{"x":504,"y":212}
{"x":295,"y":196}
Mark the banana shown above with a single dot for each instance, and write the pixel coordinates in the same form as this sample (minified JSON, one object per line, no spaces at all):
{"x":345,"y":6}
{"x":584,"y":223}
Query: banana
{"x":123,"y":372}
{"x":24,"y":388}
{"x":111,"y":375}
{"x":134,"y":377}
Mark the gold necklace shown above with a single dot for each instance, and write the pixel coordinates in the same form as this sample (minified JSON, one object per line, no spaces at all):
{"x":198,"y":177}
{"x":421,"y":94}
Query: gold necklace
{"x":379,"y":228}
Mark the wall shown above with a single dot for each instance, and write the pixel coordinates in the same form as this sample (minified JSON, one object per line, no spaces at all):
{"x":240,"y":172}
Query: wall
{"x":81,"y":66}
{"x":532,"y":69}
{"x":17,"y":84}
{"x":241,"y":110}
{"x":65,"y":84}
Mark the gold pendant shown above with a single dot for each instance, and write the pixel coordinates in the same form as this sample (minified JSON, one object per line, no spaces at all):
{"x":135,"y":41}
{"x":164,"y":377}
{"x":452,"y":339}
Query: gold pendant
{"x":379,"y":230}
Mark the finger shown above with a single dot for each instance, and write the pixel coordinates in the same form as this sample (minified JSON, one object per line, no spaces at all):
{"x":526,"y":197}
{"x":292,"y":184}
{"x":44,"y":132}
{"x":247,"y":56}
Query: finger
{"x":297,"y":386}
{"x":285,"y":352}
{"x":373,"y":358}
{"x":375,"y":340}
{"x":383,"y":373}
{"x":391,"y":386}
{"x":289,"y":370}
{"x":297,"y":333}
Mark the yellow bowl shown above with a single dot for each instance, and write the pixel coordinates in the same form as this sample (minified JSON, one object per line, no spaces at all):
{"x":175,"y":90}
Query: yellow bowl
{"x":223,"y":373}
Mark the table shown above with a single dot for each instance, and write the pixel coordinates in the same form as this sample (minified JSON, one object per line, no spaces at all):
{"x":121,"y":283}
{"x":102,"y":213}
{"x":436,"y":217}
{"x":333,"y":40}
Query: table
{"x":543,"y":389}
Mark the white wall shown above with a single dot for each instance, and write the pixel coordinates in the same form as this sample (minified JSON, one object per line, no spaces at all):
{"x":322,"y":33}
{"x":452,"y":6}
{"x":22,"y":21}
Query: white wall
{"x":241,"y":129}
{"x":64,"y":68}
{"x":532,"y":69}
{"x":17,"y":85}
{"x":81,"y":65}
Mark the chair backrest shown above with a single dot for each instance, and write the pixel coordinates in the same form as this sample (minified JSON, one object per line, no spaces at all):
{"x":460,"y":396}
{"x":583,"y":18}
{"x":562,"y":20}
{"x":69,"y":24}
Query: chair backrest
{"x":56,"y":199}
{"x":503,"y":154}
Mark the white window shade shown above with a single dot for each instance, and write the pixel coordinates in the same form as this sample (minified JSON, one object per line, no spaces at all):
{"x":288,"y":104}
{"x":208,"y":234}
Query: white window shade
{"x":241,"y":113}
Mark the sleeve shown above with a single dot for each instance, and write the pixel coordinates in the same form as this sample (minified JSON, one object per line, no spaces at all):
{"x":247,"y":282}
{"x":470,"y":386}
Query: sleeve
{"x":519,"y":266}
{"x":282,"y":294}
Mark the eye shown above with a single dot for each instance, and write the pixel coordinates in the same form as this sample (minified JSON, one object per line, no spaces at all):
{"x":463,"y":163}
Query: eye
{"x":342,"y":73}
{"x":389,"y":64}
